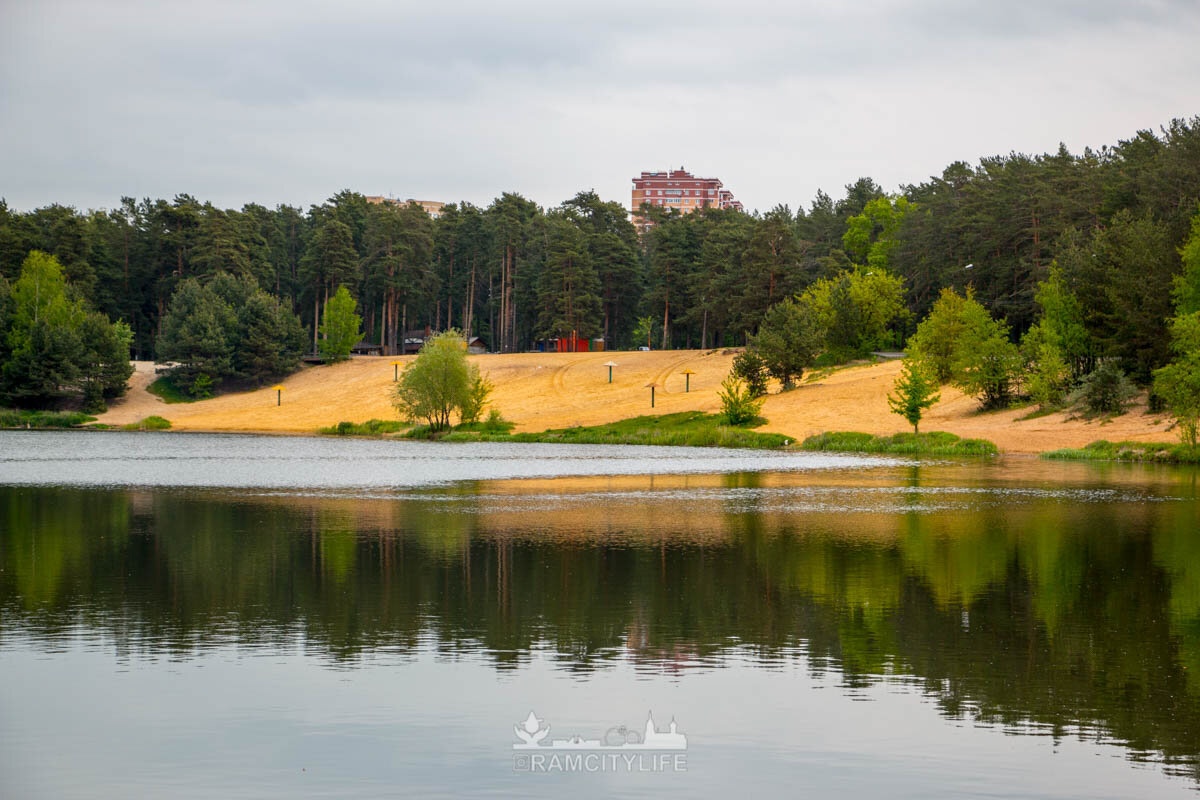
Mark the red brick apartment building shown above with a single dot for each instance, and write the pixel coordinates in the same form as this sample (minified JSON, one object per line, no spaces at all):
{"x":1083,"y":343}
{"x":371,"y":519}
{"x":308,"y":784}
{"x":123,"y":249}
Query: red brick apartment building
{"x":680,"y":189}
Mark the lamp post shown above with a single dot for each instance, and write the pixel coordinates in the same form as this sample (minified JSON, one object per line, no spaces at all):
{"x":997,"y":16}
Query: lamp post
{"x":278,"y":394}
{"x":687,"y":380}
{"x":610,"y":365}
{"x":652,"y":387}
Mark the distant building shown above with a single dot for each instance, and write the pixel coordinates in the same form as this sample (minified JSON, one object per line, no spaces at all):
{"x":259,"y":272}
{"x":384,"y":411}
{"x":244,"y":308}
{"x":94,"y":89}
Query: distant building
{"x":414,"y":340}
{"x":681,"y":190}
{"x":432,"y":207}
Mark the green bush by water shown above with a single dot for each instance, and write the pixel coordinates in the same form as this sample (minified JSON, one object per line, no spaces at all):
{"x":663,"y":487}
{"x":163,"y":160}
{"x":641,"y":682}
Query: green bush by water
{"x":1103,"y":450}
{"x":685,"y":429}
{"x":494,"y":425}
{"x":11,"y":418}
{"x":151,"y":423}
{"x":934,"y":443}
{"x":372,"y":427}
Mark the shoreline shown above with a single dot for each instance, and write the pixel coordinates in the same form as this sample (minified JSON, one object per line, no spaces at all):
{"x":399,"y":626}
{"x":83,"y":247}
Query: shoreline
{"x":542,"y":391}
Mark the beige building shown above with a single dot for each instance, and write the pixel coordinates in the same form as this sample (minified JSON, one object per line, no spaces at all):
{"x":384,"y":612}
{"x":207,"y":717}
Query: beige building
{"x":681,"y":190}
{"x":432,"y":207}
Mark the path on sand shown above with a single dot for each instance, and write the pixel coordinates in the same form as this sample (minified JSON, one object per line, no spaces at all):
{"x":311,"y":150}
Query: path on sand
{"x":538,"y":391}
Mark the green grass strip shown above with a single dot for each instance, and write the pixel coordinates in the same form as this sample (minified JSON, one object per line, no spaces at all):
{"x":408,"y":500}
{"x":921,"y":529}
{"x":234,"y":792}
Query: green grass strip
{"x":1104,"y":450}
{"x":934,"y":443}
{"x":684,"y":429}
{"x":152,"y":423}
{"x":11,"y":418}
{"x":372,"y":427}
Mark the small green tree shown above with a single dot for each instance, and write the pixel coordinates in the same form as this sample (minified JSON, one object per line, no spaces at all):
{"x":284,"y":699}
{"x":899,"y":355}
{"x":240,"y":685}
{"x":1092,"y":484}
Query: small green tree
{"x":914,"y":392}
{"x":438,"y":383}
{"x":1049,"y":376}
{"x":1107,"y":389}
{"x":749,"y":367}
{"x":739,"y":404}
{"x":342,"y":328}
{"x":1178,"y":383}
{"x":477,"y":396}
{"x":788,"y":341}
{"x":936,"y":341}
{"x":988,"y":367}
{"x":960,"y":343}
{"x":1060,"y":327}
{"x":644,"y":329}
{"x":1186,"y":291}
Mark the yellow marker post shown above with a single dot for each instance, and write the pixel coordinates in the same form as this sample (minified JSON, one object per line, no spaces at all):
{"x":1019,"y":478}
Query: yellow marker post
{"x":396,"y":370}
{"x":687,"y":380}
{"x":278,"y":394}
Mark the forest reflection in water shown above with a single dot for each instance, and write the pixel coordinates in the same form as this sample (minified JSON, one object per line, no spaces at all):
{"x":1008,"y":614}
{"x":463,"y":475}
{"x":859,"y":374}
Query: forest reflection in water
{"x":1070,"y":606}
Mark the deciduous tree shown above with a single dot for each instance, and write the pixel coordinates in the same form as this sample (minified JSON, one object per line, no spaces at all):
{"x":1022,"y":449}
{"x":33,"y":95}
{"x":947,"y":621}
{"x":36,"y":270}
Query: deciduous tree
{"x":342,"y":328}
{"x":438,"y":383}
{"x":913,"y":393}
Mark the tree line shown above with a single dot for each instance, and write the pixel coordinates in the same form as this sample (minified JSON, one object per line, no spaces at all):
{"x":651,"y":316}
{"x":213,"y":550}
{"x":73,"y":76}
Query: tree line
{"x":512,"y":273}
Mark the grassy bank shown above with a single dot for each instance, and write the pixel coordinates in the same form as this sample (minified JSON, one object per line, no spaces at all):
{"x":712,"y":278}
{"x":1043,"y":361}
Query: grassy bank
{"x":934,"y":443}
{"x":372,"y":427}
{"x":1103,"y":450}
{"x":10,"y":418}
{"x":152,"y":423}
{"x":685,"y":429}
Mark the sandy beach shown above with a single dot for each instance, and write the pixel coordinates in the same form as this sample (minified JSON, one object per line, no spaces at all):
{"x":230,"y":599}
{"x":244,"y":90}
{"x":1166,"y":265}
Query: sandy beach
{"x":538,"y":391}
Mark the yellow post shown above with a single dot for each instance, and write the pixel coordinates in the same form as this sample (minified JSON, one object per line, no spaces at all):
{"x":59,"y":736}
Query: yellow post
{"x":278,"y":394}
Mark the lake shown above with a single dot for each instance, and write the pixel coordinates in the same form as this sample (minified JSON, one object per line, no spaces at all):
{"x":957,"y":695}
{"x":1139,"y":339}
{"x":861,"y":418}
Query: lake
{"x":193,"y":615}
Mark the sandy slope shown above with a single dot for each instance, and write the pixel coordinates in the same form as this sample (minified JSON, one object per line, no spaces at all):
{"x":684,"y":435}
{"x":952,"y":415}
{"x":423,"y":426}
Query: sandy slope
{"x":554,"y":390}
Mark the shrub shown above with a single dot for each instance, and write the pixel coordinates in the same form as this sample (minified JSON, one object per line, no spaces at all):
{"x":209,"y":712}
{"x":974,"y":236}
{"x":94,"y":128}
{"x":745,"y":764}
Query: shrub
{"x":1177,"y":385}
{"x":440,"y":382}
{"x":1106,"y":390}
{"x":936,"y":443}
{"x":151,"y":423}
{"x":372,"y":427}
{"x":749,"y":367}
{"x":738,"y":404}
{"x":201,"y":388}
{"x":475,"y":399}
{"x":788,"y":340}
{"x":1049,"y":376}
{"x":496,"y":423}
{"x":10,"y":418}
{"x":915,"y":391}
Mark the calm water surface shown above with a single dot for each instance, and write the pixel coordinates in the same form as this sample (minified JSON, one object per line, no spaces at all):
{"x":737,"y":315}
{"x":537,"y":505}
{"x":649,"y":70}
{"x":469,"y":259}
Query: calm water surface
{"x":200,"y":616}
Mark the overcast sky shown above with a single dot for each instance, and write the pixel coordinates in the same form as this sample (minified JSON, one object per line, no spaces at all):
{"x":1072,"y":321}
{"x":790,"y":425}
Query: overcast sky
{"x":288,"y":101}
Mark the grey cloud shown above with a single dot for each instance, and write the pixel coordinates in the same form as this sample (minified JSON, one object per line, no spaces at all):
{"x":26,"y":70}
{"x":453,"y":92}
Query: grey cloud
{"x":274,"y":101}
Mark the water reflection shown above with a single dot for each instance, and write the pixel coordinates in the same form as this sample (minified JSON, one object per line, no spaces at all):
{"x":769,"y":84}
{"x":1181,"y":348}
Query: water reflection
{"x":1069,"y":608}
